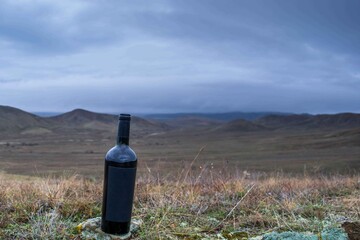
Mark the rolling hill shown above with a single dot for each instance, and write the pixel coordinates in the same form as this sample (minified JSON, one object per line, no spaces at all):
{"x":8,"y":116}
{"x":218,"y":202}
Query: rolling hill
{"x":192,"y":122}
{"x":80,"y":118}
{"x":13,"y":120}
{"x":224,"y":117}
{"x":240,"y":125}
{"x":306,"y":121}
{"x":77,"y":141}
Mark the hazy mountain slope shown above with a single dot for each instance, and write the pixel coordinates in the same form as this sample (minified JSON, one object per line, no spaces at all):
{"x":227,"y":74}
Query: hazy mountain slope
{"x":148,"y":126}
{"x":228,"y":116}
{"x":277,"y":121}
{"x":192,"y":122}
{"x":80,"y":118}
{"x":305,"y":121}
{"x":240,"y":125}
{"x":16,"y":120}
{"x":341,"y":120}
{"x":13,"y":120}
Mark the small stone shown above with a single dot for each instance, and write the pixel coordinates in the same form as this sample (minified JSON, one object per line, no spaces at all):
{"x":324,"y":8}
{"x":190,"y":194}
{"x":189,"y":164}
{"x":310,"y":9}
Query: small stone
{"x":90,"y":229}
{"x":352,"y":229}
{"x":183,"y":224}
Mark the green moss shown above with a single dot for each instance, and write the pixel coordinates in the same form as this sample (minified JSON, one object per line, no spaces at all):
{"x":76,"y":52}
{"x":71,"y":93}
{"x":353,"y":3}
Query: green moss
{"x":327,"y":234}
{"x":289,"y":236}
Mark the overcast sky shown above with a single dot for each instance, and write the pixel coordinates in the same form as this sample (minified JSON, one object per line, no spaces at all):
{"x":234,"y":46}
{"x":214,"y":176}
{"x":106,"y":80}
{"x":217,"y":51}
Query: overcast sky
{"x":180,"y":56}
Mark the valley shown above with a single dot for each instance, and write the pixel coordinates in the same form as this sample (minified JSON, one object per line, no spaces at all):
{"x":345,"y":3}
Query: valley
{"x":76,"y":142}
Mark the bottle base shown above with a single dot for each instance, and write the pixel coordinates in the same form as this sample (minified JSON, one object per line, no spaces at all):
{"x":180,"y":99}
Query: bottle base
{"x":115,"y":228}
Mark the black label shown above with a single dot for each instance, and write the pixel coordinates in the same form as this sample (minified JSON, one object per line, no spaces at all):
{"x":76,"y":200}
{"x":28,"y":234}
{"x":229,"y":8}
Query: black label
{"x":120,"y":193}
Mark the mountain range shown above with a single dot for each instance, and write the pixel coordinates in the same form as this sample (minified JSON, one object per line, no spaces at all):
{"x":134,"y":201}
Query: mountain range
{"x":13,"y":120}
{"x":227,"y":116}
{"x":77,"y":140}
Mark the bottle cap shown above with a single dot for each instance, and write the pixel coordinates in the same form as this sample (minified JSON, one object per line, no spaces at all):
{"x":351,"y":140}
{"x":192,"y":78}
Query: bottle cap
{"x":124,"y":116}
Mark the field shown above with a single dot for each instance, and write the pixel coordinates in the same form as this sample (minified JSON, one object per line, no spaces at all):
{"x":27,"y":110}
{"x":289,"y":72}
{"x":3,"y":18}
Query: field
{"x":234,"y":180}
{"x":189,"y":187}
{"x":193,"y":207}
{"x":289,"y":152}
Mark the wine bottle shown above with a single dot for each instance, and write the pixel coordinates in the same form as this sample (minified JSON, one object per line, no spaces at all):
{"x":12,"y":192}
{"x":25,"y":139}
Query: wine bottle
{"x":119,"y":182}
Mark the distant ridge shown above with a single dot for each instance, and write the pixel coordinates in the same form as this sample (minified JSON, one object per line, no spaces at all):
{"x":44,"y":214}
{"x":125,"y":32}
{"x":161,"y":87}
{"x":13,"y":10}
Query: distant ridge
{"x":191,"y":122}
{"x":306,"y":121}
{"x":341,"y":120}
{"x":227,"y":116}
{"x":87,"y":119}
{"x":14,"y":120}
{"x":46,"y":114}
{"x":82,"y":116}
{"x":240,"y":125}
{"x":277,"y":121}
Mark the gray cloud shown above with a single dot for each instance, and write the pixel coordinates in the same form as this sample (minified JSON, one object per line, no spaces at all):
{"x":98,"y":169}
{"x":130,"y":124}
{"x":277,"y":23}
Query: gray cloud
{"x":169,"y":56}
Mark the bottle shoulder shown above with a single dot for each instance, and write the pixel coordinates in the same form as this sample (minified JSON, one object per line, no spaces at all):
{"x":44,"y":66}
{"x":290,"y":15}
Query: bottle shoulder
{"x":121,"y":153}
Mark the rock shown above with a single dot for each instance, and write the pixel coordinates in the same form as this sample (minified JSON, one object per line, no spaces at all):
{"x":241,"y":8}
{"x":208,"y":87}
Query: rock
{"x":352,"y":229}
{"x":90,"y":229}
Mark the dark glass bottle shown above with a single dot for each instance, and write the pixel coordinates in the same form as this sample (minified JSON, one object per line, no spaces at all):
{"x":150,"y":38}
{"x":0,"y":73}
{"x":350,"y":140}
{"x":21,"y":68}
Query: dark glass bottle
{"x":119,"y":182}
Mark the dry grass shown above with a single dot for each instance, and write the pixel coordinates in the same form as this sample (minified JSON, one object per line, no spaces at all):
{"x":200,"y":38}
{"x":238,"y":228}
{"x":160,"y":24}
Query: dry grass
{"x":188,"y":208}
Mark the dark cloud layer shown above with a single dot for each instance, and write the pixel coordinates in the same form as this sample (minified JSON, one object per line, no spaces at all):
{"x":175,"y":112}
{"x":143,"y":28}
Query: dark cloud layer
{"x":171,"y":56}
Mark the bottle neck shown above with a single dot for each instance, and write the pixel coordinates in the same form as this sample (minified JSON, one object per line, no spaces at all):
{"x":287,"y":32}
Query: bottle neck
{"x":123,"y":132}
